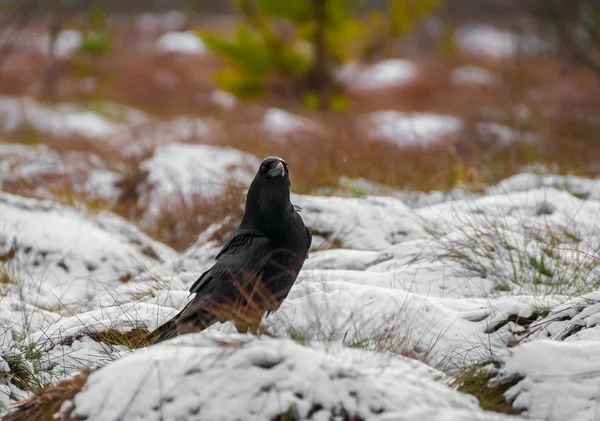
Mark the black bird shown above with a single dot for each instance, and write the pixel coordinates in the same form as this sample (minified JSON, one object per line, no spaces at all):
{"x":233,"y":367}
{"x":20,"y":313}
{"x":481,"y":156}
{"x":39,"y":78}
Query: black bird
{"x":255,"y":270}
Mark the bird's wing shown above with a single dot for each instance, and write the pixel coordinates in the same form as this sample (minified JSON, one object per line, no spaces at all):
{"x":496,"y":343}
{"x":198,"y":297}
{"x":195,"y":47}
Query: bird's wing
{"x":244,"y":255}
{"x":239,"y":239}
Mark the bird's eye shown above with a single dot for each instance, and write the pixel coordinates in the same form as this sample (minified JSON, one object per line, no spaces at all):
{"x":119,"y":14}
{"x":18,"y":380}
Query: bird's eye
{"x":263,"y":168}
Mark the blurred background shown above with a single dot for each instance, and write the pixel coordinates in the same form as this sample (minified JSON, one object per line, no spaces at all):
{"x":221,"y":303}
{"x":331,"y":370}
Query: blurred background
{"x":161,"y":110}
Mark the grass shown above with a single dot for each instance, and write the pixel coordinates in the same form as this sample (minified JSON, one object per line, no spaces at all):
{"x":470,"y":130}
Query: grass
{"x":477,"y":381}
{"x":521,"y":257}
{"x":133,"y":339}
{"x":44,"y":404}
{"x":25,"y":369}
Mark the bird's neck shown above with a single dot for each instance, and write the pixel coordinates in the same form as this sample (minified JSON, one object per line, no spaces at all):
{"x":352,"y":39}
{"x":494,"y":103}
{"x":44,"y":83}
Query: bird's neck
{"x":267,"y":211}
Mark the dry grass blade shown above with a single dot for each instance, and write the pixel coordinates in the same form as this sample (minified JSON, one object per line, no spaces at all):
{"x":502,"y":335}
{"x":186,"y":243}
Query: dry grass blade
{"x":45,"y":404}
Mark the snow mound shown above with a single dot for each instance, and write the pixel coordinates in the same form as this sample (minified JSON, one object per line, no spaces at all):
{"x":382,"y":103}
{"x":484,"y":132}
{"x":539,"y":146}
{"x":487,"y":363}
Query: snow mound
{"x":578,"y":186}
{"x":560,"y":379}
{"x":137,"y":139}
{"x":496,"y":43}
{"x":577,"y":318}
{"x":280,"y":122}
{"x":188,"y":170}
{"x":37,"y":170}
{"x":541,"y":241}
{"x":501,"y":135}
{"x":78,"y":256}
{"x":385,"y":74}
{"x":410,"y":128}
{"x":223,"y":99}
{"x":68,"y":43}
{"x":374,"y":311}
{"x":180,"y":42}
{"x":444,"y":414}
{"x":63,"y":120}
{"x":198,"y":377}
{"x":372,"y":223}
{"x":473,"y":76}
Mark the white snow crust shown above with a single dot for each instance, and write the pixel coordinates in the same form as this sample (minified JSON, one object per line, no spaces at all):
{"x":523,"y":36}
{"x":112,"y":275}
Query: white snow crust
{"x":448,"y":281}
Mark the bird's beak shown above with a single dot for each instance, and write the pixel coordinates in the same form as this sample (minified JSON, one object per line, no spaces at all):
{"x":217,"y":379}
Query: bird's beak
{"x":278,"y":170}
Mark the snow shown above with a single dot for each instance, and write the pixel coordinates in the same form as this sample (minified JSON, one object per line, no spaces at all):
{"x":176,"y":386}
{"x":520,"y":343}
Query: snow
{"x":382,"y":75}
{"x":496,"y":43}
{"x":448,"y":281}
{"x":195,"y":169}
{"x":137,"y":139}
{"x":67,"y":43}
{"x":63,"y":120}
{"x":560,"y":381}
{"x":171,"y":20}
{"x":223,"y":99}
{"x":372,"y":223}
{"x":68,"y":259}
{"x":281,"y":122}
{"x":193,"y":377}
{"x":473,"y":76}
{"x":503,"y":135}
{"x":578,"y":186}
{"x":410,"y":128}
{"x":180,"y":42}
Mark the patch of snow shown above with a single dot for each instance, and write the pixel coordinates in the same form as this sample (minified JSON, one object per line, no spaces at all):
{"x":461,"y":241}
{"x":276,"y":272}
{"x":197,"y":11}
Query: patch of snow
{"x":181,"y":42}
{"x":170,"y":21}
{"x":65,"y":258}
{"x":578,"y":186}
{"x":342,"y":259}
{"x":372,"y":223}
{"x":223,"y":99}
{"x":281,"y":122}
{"x":473,"y":75}
{"x":195,"y":169}
{"x":410,"y":128}
{"x":194,"y":376}
{"x":497,"y":43}
{"x":578,"y":318}
{"x":135,"y":140}
{"x":561,"y":379}
{"x":504,"y":135}
{"x":63,"y":120}
{"x":385,"y":74}
{"x":67,"y":43}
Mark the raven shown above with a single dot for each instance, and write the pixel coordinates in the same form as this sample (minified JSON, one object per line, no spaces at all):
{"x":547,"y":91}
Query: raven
{"x":256,"y":268}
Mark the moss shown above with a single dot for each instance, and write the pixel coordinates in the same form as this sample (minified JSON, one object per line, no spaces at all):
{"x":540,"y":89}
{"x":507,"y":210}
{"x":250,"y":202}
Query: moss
{"x":476,"y":381}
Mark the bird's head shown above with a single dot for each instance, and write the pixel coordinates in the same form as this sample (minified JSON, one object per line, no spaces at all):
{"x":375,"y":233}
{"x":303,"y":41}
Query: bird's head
{"x":268,"y":197}
{"x":273,"y":167}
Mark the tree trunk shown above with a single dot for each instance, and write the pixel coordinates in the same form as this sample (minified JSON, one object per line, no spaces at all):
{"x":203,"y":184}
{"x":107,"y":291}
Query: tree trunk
{"x":50,"y":75}
{"x":319,"y":79}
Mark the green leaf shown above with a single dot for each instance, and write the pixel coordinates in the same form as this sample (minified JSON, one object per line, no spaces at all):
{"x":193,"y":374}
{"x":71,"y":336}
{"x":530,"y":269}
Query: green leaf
{"x":240,"y":84}
{"x":293,"y":10}
{"x":96,"y":43}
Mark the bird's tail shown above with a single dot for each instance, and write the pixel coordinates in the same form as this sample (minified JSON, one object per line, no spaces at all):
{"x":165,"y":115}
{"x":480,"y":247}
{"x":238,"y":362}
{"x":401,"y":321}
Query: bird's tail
{"x":181,"y":325}
{"x":165,"y":331}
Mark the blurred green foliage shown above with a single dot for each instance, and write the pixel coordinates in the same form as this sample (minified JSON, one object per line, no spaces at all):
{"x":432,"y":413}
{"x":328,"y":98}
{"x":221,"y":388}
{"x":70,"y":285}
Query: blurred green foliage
{"x":302,"y":43}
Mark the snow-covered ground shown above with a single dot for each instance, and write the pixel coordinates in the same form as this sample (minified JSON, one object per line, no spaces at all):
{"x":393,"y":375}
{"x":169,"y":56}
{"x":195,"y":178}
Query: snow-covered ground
{"x":396,"y":297}
{"x":410,"y":128}
{"x":385,"y":74}
{"x":483,"y":40}
{"x":180,"y":42}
